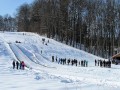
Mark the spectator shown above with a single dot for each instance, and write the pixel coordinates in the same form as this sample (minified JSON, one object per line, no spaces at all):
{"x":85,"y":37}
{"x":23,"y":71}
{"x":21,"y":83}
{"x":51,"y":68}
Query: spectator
{"x":13,"y":63}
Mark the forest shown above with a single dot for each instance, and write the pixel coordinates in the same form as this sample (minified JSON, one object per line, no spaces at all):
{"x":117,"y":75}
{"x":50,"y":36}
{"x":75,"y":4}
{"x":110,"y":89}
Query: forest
{"x":89,"y":25}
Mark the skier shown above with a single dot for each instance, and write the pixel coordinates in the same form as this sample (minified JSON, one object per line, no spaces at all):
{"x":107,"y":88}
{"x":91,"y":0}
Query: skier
{"x":13,"y":63}
{"x":17,"y":64}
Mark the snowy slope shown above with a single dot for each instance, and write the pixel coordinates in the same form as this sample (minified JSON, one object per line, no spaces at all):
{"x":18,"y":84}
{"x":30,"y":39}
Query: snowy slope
{"x":42,"y":74}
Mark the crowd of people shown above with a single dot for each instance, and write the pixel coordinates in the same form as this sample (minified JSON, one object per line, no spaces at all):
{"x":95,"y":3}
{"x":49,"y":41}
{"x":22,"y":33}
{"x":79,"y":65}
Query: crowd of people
{"x":18,"y":65}
{"x":103,"y":63}
{"x":64,"y":61}
{"x":83,"y":63}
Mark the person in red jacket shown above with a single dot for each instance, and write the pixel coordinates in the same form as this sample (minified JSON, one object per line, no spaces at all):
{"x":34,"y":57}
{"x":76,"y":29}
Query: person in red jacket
{"x":23,"y":65}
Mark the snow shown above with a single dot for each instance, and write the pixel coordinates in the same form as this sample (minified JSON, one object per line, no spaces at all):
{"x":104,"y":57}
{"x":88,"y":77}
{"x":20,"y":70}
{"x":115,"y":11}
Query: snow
{"x":42,"y":74}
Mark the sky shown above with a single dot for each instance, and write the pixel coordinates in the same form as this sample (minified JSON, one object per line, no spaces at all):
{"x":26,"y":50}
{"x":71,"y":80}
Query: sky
{"x":10,"y":6}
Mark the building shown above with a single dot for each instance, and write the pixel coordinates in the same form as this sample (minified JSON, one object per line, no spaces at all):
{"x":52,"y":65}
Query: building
{"x":116,"y":59}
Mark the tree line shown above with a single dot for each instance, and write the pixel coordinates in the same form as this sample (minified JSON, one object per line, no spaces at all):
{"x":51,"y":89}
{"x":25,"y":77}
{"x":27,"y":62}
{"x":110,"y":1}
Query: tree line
{"x":89,"y":25}
{"x":8,"y":23}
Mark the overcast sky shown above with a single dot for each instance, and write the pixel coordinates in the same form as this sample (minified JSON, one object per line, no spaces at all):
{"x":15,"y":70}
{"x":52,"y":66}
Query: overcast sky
{"x":10,"y":6}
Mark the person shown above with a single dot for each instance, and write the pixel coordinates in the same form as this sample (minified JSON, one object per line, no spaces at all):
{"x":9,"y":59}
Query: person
{"x":59,"y":61}
{"x":17,"y":64}
{"x":68,"y":61}
{"x":41,"y":51}
{"x":52,"y":58}
{"x":86,"y":63}
{"x":46,"y":44}
{"x":79,"y":63}
{"x":104,"y":63}
{"x":20,"y":64}
{"x":23,"y":65}
{"x":13,"y":63}
{"x":43,"y":39}
{"x":101,"y":63}
{"x":82,"y":63}
{"x":109,"y":63}
{"x":72,"y":62}
{"x":56,"y":58}
{"x":95,"y":62}
{"x":98,"y":62}
{"x":76,"y":62}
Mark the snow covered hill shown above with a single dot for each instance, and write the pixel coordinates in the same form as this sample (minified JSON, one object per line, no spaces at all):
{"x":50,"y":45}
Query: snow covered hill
{"x":43,"y":74}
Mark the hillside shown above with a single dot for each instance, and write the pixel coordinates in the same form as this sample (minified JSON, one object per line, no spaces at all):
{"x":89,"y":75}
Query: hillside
{"x":43,"y":74}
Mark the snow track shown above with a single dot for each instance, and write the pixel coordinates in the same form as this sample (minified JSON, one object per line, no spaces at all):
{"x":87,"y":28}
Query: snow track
{"x":21,"y":56}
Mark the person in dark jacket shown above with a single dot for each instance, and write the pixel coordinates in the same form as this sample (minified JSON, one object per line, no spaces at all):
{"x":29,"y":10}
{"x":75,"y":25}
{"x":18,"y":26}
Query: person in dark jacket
{"x":86,"y":63}
{"x":82,"y":63}
{"x":79,"y":63}
{"x":52,"y":58}
{"x":68,"y":61}
{"x":13,"y":63}
{"x":17,"y":64}
{"x":56,"y":58}
{"x":20,"y":64}
{"x":95,"y":62}
{"x":101,"y":63}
